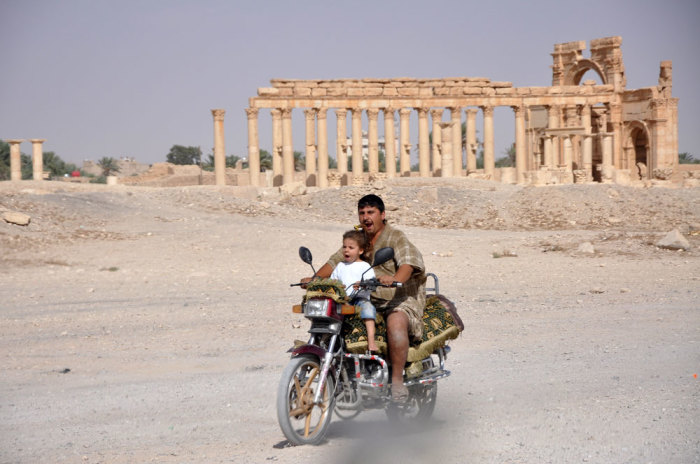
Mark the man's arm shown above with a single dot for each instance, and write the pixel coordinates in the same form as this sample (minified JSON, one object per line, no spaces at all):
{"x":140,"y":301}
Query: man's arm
{"x":325,"y":272}
{"x":403,"y":273}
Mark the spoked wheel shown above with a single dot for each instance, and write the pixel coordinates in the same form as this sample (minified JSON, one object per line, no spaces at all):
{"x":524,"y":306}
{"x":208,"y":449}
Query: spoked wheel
{"x":419,"y":407}
{"x":302,"y":421}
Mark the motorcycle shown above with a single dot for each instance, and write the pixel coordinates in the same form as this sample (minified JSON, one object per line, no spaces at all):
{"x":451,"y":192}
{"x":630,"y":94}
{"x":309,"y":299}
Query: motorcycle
{"x":325,"y":376}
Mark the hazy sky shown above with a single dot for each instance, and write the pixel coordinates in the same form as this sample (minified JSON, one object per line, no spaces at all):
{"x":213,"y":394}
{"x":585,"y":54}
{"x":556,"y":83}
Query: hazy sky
{"x":132,"y":78}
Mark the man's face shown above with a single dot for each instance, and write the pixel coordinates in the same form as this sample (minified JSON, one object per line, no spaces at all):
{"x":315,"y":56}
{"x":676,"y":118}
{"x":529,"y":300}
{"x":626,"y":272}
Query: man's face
{"x":371,"y":219}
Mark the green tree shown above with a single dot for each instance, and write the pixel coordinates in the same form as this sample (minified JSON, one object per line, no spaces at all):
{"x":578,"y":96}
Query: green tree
{"x":56,"y":166}
{"x":4,"y":160}
{"x":299,"y":161}
{"x":265,"y":160}
{"x":687,"y":158}
{"x":108,"y":165}
{"x":509,"y":159}
{"x":184,"y":155}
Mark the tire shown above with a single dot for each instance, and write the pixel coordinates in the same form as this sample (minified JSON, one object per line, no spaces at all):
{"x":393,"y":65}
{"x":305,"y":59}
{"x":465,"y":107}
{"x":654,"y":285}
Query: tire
{"x":301,"y":421}
{"x":420,"y":405}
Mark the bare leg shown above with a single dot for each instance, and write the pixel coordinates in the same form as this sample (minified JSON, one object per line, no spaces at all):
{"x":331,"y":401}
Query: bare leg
{"x":397,"y":333}
{"x":371,"y":329}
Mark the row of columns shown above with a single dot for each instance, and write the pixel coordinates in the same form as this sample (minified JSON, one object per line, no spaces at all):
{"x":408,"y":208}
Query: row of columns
{"x":16,"y":159}
{"x":446,"y":143}
{"x":317,"y":147}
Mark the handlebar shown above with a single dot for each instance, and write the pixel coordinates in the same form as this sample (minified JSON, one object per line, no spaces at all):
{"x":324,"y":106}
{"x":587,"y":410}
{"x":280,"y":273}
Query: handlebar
{"x":369,"y":284}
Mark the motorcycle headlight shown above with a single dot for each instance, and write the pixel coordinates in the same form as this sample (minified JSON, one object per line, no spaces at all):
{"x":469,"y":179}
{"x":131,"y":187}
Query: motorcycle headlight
{"x":317,"y":307}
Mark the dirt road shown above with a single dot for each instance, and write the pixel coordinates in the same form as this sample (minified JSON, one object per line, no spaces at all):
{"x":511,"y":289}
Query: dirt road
{"x":150,"y":325}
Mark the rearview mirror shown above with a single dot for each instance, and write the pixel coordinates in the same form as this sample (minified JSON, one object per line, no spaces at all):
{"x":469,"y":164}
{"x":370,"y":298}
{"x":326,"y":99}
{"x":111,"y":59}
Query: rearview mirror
{"x":383,"y":255}
{"x":305,"y":255}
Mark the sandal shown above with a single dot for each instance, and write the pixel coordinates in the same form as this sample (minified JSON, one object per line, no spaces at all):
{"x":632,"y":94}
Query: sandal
{"x":399,"y":394}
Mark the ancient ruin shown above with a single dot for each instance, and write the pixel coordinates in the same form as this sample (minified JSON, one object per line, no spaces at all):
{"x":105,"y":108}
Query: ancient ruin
{"x":571,"y":131}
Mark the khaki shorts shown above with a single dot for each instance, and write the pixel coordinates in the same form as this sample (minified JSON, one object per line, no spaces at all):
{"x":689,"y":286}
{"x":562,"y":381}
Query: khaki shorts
{"x":415,"y":317}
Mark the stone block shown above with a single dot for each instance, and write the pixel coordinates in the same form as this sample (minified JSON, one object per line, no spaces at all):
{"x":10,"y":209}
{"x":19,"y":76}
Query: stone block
{"x":425,"y":92}
{"x":268,"y":91}
{"x":355,"y":92}
{"x":302,"y":91}
{"x":373,"y":91}
{"x":408,"y":91}
{"x":674,"y":240}
{"x":488,"y":91}
{"x":286,"y":92}
{"x":337,"y":92}
{"x":15,"y":217}
{"x":442,"y":91}
{"x":505,"y":91}
{"x":389,"y":92}
{"x":501,"y":84}
{"x":472,"y":90}
{"x":319,"y":92}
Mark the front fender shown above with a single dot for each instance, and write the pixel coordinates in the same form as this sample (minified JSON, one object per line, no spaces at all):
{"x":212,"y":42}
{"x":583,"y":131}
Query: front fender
{"x":309,"y":349}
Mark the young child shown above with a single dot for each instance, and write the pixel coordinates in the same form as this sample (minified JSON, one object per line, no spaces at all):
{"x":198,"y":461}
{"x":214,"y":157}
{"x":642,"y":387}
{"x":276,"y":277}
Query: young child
{"x":349,"y":272}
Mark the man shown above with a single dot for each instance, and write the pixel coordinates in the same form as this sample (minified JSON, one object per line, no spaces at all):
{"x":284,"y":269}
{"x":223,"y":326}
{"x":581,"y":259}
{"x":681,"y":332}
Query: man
{"x":402,"y":307}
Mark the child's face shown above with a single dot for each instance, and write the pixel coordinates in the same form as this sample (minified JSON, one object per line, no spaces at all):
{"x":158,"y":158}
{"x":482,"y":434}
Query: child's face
{"x":351,"y":250}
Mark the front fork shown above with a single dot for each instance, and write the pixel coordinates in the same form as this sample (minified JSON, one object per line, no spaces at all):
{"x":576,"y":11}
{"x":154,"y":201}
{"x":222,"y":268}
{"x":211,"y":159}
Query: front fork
{"x":326,"y":363}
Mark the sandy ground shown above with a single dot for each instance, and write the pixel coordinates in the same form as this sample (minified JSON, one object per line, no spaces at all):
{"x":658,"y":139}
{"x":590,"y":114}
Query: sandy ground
{"x":150,"y":324}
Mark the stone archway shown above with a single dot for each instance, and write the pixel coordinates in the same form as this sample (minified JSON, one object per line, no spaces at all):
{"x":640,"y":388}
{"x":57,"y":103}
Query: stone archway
{"x":576,"y":72}
{"x":637,"y":150}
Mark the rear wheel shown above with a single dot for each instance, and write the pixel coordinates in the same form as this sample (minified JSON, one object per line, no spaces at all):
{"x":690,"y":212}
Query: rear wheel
{"x":302,"y":421}
{"x":419,"y":407}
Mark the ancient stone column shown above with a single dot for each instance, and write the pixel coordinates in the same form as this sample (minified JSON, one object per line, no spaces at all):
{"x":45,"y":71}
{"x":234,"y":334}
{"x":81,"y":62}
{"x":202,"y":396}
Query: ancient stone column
{"x":607,"y":168}
{"x":389,"y":142}
{"x":219,"y":146}
{"x":356,"y":144}
{"x":553,"y":115}
{"x":341,"y":152}
{"x":15,"y":159}
{"x":37,"y":159}
{"x":519,"y":143}
{"x":287,"y":147}
{"x":547,"y":151}
{"x":456,"y":132}
{"x":489,"y":158}
{"x":253,"y":148}
{"x":423,"y":143}
{"x":310,"y":147}
{"x":568,"y":153}
{"x":322,"y":148}
{"x":276,"y":147}
{"x":436,"y":116}
{"x":446,"y":149}
{"x":405,"y":145}
{"x":472,"y":145}
{"x":373,"y":141}
{"x":587,"y":149}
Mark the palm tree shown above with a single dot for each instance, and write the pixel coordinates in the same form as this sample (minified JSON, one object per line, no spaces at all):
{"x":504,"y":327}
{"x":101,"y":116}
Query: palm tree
{"x":108,"y":165}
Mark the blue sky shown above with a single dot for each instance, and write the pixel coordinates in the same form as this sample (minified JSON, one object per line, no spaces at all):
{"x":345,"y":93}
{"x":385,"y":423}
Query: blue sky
{"x":132,"y":78}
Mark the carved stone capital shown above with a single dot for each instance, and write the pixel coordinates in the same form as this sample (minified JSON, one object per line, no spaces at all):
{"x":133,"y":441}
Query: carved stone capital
{"x":310,"y":113}
{"x":405,"y":112}
{"x":487,"y":110}
{"x":219,"y":114}
{"x":14,"y":141}
{"x":341,"y":114}
{"x":436,"y":114}
{"x":422,"y":112}
{"x":389,"y":111}
{"x":322,"y":113}
{"x":518,"y":110}
{"x":35,"y":141}
{"x":276,"y":113}
{"x":372,"y":114}
{"x":251,"y":112}
{"x":286,"y":113}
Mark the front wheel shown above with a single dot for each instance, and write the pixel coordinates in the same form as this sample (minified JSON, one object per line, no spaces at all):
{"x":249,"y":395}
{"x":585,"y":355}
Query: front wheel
{"x":302,"y":421}
{"x":419,"y":407}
